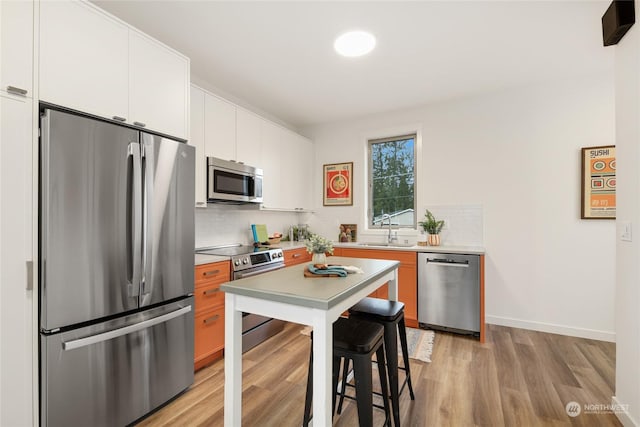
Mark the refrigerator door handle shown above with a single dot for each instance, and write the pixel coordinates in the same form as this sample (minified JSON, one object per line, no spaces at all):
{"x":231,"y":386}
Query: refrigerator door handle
{"x":134,"y":228}
{"x":147,"y":184}
{"x":98,"y":338}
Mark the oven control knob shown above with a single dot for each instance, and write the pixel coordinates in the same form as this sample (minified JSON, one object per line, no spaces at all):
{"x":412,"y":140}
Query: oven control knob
{"x":279,"y":254}
{"x":245,"y":261}
{"x":236,"y":262}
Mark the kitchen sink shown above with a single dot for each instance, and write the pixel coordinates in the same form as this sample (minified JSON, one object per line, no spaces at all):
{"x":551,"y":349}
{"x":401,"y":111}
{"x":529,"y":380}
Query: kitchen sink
{"x":388,"y":245}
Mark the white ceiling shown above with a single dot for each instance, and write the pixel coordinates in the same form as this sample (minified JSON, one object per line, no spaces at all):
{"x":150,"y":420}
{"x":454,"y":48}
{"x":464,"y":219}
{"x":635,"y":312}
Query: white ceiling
{"x":278,"y":56}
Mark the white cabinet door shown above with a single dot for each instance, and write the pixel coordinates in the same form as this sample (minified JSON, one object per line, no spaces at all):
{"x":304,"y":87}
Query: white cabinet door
{"x":197,"y":140}
{"x":16,"y":47}
{"x":219,"y":128}
{"x":297,"y":174}
{"x":248,"y":137}
{"x":287,"y":160}
{"x":16,"y":325}
{"x":158,"y":87}
{"x":304,"y":171}
{"x":83,"y":59}
{"x":273,"y":162}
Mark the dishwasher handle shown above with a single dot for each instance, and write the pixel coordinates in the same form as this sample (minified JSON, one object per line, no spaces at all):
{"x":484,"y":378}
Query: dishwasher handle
{"x":445,"y":262}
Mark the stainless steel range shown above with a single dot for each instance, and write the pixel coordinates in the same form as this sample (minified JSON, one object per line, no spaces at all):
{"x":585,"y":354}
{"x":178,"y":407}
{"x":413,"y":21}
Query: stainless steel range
{"x":249,"y":261}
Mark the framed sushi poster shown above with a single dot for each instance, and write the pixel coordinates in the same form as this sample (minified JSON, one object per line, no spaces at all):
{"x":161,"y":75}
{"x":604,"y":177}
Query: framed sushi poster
{"x":599,"y":182}
{"x":337,"y":184}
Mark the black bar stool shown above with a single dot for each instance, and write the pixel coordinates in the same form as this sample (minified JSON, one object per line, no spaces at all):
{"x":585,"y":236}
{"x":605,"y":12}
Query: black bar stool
{"x":356,"y":340}
{"x":389,"y":314}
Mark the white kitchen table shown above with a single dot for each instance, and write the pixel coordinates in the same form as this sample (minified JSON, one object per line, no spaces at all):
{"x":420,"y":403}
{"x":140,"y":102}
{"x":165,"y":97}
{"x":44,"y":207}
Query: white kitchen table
{"x":286,"y":294}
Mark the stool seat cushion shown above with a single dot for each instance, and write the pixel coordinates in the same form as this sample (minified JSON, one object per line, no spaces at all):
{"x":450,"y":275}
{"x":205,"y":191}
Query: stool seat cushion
{"x":356,"y":335}
{"x":379,"y":308}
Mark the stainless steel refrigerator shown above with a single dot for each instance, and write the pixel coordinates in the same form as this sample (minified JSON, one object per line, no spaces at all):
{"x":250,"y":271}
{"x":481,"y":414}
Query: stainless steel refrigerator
{"x":116,"y":270}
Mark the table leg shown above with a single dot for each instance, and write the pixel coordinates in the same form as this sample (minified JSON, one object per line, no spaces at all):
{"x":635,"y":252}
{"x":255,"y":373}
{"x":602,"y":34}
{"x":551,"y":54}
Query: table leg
{"x":322,"y":365}
{"x":392,"y":287}
{"x":232,"y":363}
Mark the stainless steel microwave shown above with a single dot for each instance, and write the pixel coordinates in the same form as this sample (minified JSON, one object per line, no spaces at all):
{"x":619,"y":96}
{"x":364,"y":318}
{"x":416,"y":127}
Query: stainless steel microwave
{"x":233,"y":182}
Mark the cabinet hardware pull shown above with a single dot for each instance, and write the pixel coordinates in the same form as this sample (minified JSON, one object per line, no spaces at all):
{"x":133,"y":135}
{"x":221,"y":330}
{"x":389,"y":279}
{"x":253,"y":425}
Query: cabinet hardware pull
{"x":211,"y":319}
{"x":16,"y":90}
{"x":120,"y":119}
{"x":142,"y":125}
{"x":210,"y":273}
{"x":296,"y":256}
{"x":29,"y":275}
{"x":211,"y":291}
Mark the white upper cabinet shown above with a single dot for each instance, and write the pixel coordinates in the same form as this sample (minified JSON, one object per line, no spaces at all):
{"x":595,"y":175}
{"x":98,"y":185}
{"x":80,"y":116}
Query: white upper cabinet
{"x":95,"y":63}
{"x":158,"y":86}
{"x":84,"y":59}
{"x":287,"y":160}
{"x":301,"y":154}
{"x":16,"y":47}
{"x":248,"y":137}
{"x":273,"y":165}
{"x":219,"y":128}
{"x":230,"y":132}
{"x":196,"y":138}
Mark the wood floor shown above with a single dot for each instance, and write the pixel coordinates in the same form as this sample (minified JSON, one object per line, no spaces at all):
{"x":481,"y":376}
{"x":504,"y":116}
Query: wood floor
{"x":517,"y":378}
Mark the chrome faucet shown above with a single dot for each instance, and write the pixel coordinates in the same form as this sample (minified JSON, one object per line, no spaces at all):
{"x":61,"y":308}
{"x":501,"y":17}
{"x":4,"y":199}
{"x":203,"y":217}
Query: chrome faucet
{"x":390,"y":239}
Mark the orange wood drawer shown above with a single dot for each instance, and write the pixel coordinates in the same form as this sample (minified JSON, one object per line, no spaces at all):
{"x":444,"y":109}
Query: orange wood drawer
{"x":296,"y":256}
{"x":405,"y":257}
{"x":209,"y":333}
{"x":218,"y":272}
{"x":208,"y":295}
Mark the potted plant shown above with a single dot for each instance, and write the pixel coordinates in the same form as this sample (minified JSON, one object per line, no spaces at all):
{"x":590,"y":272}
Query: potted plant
{"x":433,"y":227}
{"x":319,"y":247}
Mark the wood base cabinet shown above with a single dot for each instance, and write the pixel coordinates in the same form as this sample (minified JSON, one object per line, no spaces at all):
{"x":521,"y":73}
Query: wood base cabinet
{"x":407,"y":277}
{"x":296,"y":256}
{"x":209,"y":312}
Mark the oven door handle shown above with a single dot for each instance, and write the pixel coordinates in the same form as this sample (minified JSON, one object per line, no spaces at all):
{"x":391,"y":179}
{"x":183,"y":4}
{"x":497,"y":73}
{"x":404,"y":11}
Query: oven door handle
{"x":242,"y":274}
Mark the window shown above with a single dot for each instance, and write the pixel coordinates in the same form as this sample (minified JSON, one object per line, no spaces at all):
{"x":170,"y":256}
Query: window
{"x":392,"y":181}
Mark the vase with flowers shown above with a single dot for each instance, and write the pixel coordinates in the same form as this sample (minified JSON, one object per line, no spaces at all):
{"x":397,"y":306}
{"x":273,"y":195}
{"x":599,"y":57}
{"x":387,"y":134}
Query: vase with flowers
{"x":433,"y":227}
{"x":319,"y":247}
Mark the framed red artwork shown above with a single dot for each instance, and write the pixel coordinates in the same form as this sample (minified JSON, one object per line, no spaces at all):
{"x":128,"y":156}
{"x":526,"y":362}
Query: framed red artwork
{"x":338,"y":184}
{"x":599,"y":182}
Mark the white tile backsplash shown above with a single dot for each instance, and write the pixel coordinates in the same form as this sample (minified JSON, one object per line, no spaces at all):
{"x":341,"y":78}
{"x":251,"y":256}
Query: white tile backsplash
{"x":220,"y":224}
{"x":464,"y":224}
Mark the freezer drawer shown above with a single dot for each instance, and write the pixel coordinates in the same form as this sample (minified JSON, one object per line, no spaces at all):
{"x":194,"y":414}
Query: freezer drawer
{"x":113,"y":373}
{"x":449,"y":291}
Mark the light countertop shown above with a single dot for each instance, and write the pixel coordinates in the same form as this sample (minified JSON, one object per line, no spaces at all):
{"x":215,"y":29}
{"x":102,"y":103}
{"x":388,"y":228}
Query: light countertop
{"x":473,"y":250}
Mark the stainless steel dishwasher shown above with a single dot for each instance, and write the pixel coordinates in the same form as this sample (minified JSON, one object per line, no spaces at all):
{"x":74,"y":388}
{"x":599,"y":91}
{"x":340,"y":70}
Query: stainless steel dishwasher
{"x":449,"y":292}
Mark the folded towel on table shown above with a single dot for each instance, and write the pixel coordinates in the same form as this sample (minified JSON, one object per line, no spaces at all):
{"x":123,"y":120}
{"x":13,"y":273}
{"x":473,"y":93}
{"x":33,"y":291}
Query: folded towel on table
{"x":327,"y":270}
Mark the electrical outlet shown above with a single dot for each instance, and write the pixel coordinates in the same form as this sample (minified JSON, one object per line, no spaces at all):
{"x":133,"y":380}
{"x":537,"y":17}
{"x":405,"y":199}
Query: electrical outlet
{"x":625,"y":231}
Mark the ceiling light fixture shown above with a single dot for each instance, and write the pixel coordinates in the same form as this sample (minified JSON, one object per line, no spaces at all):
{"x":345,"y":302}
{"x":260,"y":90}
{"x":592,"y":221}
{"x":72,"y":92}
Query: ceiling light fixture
{"x":354,"y":43}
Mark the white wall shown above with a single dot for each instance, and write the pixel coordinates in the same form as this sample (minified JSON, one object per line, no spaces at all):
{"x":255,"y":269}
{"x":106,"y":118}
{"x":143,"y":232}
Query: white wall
{"x":517,"y":154}
{"x":627,"y":93}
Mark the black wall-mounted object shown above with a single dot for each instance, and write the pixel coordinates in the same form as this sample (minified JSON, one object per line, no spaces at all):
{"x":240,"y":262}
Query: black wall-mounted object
{"x":617,"y":20}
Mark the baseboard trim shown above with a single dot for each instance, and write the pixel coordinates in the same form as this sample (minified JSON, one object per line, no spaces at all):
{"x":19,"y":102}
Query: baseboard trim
{"x":622,"y":413}
{"x":552,"y":328}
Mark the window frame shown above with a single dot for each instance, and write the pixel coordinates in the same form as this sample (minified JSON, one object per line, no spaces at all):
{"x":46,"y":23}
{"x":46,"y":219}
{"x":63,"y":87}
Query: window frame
{"x":369,"y":210}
